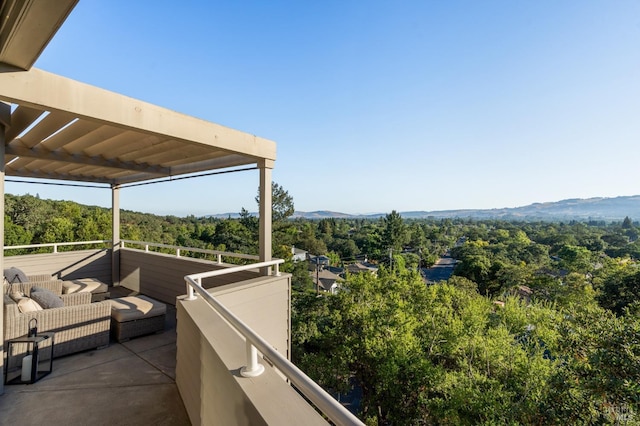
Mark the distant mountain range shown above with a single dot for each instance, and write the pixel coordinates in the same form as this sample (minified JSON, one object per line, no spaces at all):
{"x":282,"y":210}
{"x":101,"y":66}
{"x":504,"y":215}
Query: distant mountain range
{"x":599,"y":208}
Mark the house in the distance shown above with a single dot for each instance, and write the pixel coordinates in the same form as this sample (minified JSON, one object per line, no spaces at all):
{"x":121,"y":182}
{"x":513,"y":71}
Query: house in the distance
{"x":298,"y":255}
{"x":327,"y":279}
{"x":318,"y":261}
{"x":359,"y":267}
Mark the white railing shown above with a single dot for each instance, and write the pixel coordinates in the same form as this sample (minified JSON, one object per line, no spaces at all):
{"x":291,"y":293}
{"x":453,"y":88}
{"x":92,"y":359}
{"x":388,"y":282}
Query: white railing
{"x":56,"y":245}
{"x":335,"y":411}
{"x":179,"y":250}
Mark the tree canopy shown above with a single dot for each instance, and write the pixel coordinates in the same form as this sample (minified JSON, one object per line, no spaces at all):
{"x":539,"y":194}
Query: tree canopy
{"x":538,"y":325}
{"x":446,"y":355}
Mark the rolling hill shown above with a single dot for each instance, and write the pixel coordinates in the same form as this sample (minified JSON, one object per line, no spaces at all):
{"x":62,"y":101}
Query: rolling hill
{"x":599,"y":208}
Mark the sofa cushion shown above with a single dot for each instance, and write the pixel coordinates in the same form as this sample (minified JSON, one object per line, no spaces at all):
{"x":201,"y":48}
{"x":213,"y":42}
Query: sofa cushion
{"x":46,"y":298}
{"x":84,"y":285}
{"x":15,"y":275}
{"x":135,"y":307}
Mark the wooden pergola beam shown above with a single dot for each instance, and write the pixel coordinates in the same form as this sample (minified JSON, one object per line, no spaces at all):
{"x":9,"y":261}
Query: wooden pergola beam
{"x":41,"y":90}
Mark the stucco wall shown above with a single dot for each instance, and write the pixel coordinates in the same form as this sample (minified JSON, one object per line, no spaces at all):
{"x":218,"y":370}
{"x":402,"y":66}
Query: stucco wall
{"x":210,"y":355}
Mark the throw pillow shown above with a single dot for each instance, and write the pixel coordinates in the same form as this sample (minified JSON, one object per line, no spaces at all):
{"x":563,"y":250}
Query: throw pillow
{"x":15,"y":275}
{"x":17,"y":295}
{"x":46,"y":298}
{"x":10,"y":288}
{"x":28,"y":305}
{"x":8,"y":275}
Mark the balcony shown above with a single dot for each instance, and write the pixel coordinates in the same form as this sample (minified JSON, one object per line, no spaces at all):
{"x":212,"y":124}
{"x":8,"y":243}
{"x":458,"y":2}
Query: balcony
{"x":234,"y":322}
{"x":193,"y":371}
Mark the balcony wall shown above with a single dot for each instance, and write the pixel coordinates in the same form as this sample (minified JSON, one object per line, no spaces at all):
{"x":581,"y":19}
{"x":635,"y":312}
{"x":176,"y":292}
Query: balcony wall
{"x":210,"y":353}
{"x":161,"y":276}
{"x":66,"y":265}
{"x":210,"y":356}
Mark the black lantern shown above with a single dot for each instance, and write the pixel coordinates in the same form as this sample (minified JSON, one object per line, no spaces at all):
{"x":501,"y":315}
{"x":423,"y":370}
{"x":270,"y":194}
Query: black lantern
{"x":29,"y":358}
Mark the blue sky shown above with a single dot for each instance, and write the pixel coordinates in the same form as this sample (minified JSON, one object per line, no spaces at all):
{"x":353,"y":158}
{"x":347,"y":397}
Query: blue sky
{"x":377,"y":105}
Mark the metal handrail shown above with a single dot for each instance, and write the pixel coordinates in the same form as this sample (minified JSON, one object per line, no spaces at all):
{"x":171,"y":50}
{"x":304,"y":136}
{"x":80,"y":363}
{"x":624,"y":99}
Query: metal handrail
{"x":335,"y":411}
{"x":180,"y":249}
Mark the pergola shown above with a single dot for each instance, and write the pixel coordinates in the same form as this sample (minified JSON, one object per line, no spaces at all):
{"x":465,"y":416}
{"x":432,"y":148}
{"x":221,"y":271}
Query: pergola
{"x":52,"y":127}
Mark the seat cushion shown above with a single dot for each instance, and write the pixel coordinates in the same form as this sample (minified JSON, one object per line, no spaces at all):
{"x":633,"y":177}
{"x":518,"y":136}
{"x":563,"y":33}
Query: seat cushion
{"x":84,"y":285}
{"x":135,"y":307}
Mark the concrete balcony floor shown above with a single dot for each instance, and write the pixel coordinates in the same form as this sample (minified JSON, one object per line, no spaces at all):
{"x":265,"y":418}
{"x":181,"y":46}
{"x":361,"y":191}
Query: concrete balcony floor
{"x":132,"y":383}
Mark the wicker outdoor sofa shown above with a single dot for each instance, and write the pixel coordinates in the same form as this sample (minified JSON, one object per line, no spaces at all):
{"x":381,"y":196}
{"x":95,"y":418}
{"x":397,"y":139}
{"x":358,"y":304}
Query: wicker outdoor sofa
{"x":78,"y":325}
{"x":99,"y":291}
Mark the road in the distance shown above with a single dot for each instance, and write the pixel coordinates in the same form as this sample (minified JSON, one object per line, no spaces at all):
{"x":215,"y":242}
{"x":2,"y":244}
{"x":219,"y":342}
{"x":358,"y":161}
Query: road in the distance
{"x":441,"y":271}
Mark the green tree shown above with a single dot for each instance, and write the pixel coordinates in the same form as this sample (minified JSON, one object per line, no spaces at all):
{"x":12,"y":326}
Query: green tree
{"x":394,"y":235}
{"x":234,"y":236}
{"x":301,"y":281}
{"x":87,"y":229}
{"x":600,"y":368}
{"x":619,"y":287}
{"x":576,"y":258}
{"x":57,"y":229}
{"x":346,"y":248}
{"x":282,"y":206}
{"x":306,"y":239}
{"x":249,"y":221}
{"x":28,"y":211}
{"x":15,"y":235}
{"x":465,"y":360}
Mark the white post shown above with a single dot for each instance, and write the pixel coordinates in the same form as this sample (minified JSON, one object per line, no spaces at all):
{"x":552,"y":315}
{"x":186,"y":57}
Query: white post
{"x":253,"y":368}
{"x":191,"y":295}
{"x":266,"y":195}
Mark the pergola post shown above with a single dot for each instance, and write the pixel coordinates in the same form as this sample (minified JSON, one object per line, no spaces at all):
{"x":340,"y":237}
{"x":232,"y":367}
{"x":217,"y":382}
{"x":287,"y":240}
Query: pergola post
{"x":266,"y":168}
{"x":115,"y":235}
{"x":5,"y":121}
